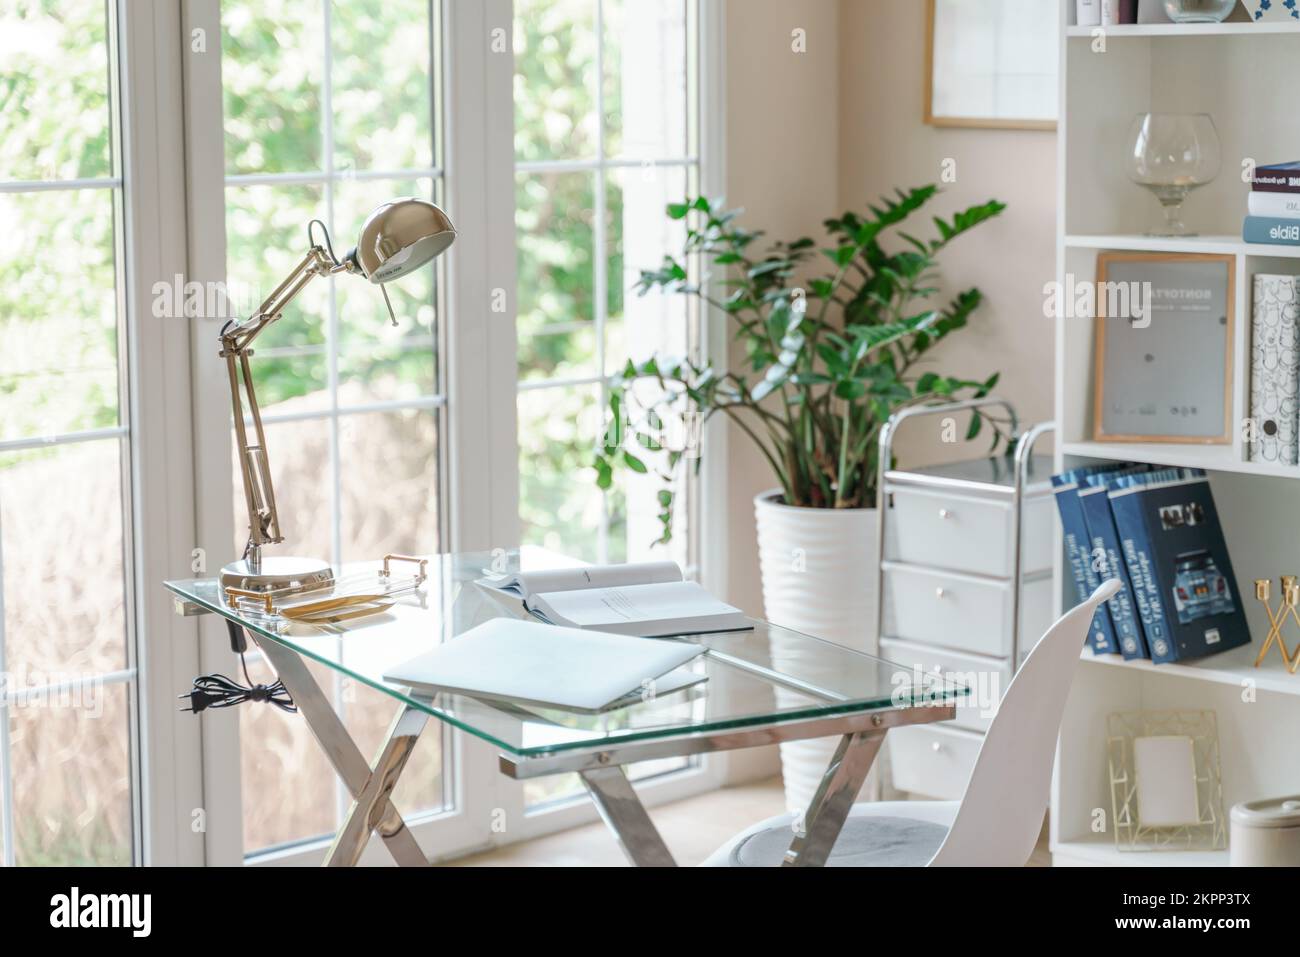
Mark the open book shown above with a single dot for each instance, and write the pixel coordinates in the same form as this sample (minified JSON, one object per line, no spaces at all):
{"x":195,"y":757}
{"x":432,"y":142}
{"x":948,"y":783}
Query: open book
{"x":649,"y":599}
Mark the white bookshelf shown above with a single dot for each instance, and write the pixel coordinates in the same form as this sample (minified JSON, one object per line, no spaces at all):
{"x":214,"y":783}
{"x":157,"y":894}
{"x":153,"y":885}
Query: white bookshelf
{"x":1241,"y":74}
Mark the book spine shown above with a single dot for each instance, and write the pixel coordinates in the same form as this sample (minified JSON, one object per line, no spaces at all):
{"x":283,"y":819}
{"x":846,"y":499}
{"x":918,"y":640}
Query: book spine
{"x":1109,"y":563}
{"x":1136,"y":546}
{"x":1276,"y":205}
{"x":1101,"y":634}
{"x":1271,"y":229}
{"x":1275,"y":370}
{"x":1268,"y":180}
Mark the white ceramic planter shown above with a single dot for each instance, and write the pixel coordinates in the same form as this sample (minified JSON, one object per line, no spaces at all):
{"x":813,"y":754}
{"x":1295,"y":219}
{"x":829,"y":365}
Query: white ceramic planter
{"x":819,"y":578}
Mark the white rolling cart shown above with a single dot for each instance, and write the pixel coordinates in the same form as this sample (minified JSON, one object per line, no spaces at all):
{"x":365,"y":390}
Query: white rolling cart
{"x":965,"y":583}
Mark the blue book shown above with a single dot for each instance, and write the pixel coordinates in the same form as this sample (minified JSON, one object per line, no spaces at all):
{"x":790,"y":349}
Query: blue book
{"x":1108,"y":562}
{"x":1178,"y":563}
{"x":1271,"y":229}
{"x":1101,"y":635}
{"x":1278,"y":177}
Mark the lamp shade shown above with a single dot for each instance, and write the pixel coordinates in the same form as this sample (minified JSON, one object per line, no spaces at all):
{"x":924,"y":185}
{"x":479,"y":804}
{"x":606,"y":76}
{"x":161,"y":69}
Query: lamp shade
{"x":399,"y":237}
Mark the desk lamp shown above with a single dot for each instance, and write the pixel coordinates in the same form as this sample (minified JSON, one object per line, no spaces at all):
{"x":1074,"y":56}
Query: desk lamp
{"x":397,"y":238}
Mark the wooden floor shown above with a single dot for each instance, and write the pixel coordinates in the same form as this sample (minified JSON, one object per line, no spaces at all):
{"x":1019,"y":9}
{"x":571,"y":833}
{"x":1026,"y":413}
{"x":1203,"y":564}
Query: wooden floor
{"x":693,"y":829}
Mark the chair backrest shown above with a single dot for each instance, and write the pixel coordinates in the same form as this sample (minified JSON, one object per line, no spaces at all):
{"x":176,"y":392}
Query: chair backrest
{"x":1001,"y":814}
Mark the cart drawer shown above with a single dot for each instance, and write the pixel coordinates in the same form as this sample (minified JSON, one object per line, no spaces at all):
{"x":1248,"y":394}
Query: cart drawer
{"x":932,"y":761}
{"x":962,"y":612}
{"x":987,"y":678}
{"x":965,"y":533}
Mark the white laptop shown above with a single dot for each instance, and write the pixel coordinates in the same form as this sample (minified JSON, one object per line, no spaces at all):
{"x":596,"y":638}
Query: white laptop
{"x":528,"y":663}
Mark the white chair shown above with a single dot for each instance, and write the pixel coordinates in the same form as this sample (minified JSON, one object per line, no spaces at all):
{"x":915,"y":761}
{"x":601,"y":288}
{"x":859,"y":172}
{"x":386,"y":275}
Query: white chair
{"x":998,"y":820}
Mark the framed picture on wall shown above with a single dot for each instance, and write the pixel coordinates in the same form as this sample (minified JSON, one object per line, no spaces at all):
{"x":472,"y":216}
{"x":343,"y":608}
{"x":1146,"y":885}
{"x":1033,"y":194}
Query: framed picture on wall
{"x":1164,"y":342}
{"x":992,"y":63}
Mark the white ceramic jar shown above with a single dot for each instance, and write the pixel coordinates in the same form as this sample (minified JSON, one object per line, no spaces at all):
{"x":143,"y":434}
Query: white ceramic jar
{"x":1265,"y":833}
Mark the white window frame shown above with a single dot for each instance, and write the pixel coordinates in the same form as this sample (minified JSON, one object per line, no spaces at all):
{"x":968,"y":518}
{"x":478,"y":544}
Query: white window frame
{"x":189,"y":811}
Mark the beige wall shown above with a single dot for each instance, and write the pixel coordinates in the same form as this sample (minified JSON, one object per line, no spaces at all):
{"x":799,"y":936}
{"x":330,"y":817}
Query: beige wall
{"x":812,"y":134}
{"x":884,"y":143}
{"x":782,"y":166}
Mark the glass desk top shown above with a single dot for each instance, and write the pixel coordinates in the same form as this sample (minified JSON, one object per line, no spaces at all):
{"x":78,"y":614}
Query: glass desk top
{"x":765,"y":676}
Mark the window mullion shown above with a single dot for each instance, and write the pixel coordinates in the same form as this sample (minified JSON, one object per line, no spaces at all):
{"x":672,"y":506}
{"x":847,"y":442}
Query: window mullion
{"x":601,"y":282}
{"x":6,"y":762}
{"x":160,"y":416}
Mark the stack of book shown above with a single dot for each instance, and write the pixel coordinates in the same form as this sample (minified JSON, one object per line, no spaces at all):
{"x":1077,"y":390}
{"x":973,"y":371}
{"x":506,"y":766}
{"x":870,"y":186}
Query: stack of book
{"x":1157,"y":531}
{"x":1273,"y":210}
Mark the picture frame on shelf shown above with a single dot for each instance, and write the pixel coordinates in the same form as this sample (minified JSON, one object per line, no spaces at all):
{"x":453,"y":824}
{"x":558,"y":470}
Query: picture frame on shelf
{"x":1163,"y":370}
{"x":1166,"y":782}
{"x":991,"y":64}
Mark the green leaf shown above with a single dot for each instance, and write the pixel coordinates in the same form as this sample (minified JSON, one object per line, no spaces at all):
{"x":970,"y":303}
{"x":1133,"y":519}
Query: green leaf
{"x":665,"y":497}
{"x":850,"y":389}
{"x":678,"y":210}
{"x":634,"y":463}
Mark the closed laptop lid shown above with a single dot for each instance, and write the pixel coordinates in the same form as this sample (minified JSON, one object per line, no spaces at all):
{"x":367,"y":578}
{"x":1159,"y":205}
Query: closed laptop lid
{"x":542,"y":664}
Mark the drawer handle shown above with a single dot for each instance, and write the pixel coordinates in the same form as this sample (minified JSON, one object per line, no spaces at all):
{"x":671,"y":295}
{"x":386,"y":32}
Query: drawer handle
{"x":936,"y":747}
{"x":944,"y":513}
{"x":941,"y":592}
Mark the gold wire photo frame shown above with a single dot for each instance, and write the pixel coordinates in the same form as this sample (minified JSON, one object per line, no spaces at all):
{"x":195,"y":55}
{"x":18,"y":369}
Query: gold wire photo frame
{"x":1201,"y":792}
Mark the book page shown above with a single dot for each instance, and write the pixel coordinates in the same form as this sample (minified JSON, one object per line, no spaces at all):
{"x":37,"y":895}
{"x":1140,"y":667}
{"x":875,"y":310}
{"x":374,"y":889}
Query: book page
{"x":666,"y":602}
{"x":595,"y":576}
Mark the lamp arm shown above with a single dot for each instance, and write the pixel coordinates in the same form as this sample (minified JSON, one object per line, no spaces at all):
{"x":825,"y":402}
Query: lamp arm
{"x":254,"y":469}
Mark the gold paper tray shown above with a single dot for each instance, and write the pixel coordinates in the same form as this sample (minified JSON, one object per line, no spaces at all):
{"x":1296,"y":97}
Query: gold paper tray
{"x":336,"y":600}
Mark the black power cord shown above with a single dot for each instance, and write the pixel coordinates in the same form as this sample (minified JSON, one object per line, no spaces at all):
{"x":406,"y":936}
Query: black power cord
{"x":218,"y":691}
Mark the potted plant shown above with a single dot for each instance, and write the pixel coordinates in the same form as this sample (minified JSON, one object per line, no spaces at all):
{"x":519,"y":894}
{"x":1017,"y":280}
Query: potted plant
{"x":827,"y":360}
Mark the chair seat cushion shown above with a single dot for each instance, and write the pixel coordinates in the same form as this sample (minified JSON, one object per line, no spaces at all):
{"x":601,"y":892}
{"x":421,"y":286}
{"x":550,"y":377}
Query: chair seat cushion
{"x":874,"y":841}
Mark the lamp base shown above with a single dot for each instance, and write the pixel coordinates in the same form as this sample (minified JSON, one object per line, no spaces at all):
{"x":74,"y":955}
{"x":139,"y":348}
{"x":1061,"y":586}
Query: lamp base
{"x":276,"y":573}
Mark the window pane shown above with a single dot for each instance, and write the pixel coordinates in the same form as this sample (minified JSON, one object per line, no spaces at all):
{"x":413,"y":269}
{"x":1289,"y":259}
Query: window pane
{"x":381,"y":84}
{"x":639,"y":234}
{"x":278,"y":755}
{"x":272,"y":58}
{"x":368,"y":714}
{"x":645,"y":77}
{"x":266,"y":238}
{"x":61,"y":551}
{"x":554,"y":218}
{"x":389,"y":484}
{"x":54,"y":91}
{"x":378,"y":361}
{"x":299,"y":453}
{"x":349,"y":486}
{"x":559,"y":503}
{"x":58,"y":313}
{"x":70,"y":808}
{"x":555,"y":79}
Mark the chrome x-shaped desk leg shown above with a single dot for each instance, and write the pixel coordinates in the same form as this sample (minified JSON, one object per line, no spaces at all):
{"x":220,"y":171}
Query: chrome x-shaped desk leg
{"x":371,"y":805}
{"x":625,"y":815}
{"x":834,"y":799}
{"x":372,"y":809}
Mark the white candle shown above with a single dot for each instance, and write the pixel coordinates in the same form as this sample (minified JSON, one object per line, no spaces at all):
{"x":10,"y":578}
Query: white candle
{"x":1089,"y":13}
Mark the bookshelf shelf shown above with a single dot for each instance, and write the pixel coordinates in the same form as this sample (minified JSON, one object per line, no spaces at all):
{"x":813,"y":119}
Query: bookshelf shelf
{"x":1216,"y":244}
{"x":1184,"y":30}
{"x":1100,"y":851}
{"x":1241,"y":73}
{"x":1212,"y":458}
{"x":1235,"y":667}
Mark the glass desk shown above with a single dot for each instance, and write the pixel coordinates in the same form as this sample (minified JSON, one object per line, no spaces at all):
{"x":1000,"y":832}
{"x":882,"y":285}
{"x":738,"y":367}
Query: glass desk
{"x":763,"y":686}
